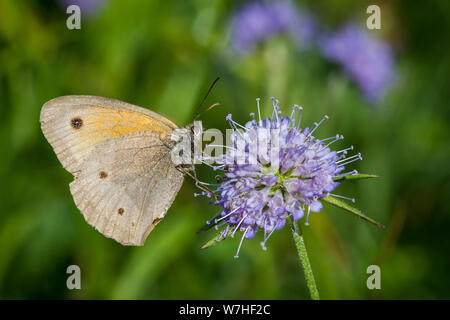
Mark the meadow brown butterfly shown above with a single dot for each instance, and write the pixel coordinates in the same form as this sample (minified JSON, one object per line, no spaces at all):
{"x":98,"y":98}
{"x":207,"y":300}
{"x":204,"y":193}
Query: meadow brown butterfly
{"x":120,"y":156}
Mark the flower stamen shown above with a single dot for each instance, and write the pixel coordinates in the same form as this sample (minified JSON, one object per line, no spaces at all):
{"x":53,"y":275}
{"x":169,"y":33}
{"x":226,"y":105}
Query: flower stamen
{"x":240,"y":243}
{"x":316,"y":125}
{"x":342,"y":197}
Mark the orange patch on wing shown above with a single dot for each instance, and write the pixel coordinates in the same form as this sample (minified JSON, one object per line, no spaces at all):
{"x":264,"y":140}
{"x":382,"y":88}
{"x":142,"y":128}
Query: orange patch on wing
{"x":105,"y":123}
{"x":119,"y":123}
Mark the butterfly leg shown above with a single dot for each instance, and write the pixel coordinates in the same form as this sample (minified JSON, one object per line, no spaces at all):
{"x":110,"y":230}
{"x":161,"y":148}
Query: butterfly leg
{"x":197,"y":182}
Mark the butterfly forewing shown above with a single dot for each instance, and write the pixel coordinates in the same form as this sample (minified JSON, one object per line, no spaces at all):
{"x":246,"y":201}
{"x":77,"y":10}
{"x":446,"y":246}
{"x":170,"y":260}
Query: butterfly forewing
{"x":74,"y":125}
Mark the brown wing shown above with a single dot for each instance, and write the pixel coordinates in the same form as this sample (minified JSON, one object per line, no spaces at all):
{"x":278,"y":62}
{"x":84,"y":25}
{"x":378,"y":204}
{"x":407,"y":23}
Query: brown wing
{"x":125,"y":180}
{"x":75,"y":125}
{"x":126,"y":186}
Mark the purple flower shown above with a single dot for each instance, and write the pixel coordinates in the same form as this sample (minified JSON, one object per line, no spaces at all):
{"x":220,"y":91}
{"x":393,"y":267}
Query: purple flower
{"x":257,"y":21}
{"x":274,"y":170}
{"x":368,"y":61}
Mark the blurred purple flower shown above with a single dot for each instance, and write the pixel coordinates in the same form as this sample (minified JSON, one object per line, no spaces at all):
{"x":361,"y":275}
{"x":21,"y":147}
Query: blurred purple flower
{"x":368,"y":61}
{"x":256,"y":21}
{"x":86,"y":6}
{"x":275,"y":170}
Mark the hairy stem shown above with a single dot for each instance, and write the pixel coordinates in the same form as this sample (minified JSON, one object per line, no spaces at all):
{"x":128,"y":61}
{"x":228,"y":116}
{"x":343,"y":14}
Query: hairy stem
{"x":303,"y":255}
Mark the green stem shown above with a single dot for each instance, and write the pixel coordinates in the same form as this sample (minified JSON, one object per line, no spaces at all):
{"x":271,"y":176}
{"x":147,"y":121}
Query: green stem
{"x":303,"y":255}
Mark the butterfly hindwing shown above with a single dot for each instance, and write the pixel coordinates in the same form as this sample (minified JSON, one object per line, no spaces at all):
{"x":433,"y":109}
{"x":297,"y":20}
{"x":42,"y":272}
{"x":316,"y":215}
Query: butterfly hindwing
{"x":126,"y":185}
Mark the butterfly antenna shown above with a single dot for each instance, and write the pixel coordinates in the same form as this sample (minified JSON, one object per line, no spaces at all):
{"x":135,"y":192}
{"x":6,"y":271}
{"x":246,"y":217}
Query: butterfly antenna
{"x":204,"y":98}
{"x":206,"y":110}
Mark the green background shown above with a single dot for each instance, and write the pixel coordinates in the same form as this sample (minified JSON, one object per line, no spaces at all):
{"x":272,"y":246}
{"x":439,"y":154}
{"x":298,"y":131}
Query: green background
{"x":164,"y":55}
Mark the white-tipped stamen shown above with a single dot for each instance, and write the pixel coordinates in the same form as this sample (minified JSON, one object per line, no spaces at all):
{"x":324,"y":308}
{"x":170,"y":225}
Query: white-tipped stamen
{"x":239,"y":125}
{"x":209,"y":165}
{"x":237,"y":227}
{"x":211,"y":220}
{"x":329,"y":138}
{"x":345,"y":150}
{"x":299,"y":117}
{"x":307,"y":216}
{"x":226,"y":216}
{"x":234,"y":125}
{"x":316,"y":125}
{"x":223,"y":233}
{"x":266,"y":239}
{"x":235,"y":129}
{"x":275,"y":108}
{"x":240,"y":244}
{"x":337,"y":138}
{"x":351,"y":159}
{"x":259,"y":110}
{"x":346,"y":174}
{"x":342,"y":197}
{"x":294,"y":108}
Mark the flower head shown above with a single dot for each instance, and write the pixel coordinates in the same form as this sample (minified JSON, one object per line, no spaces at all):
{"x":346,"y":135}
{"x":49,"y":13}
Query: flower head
{"x":257,"y":21}
{"x":368,"y":61}
{"x":275,"y":170}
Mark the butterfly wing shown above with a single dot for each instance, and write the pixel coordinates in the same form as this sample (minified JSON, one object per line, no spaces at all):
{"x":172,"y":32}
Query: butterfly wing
{"x":75,"y":125}
{"x":125,"y":180}
{"x":125,"y":187}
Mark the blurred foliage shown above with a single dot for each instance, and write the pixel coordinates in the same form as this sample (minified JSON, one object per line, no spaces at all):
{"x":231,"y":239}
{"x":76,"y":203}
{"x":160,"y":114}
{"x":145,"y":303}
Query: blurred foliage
{"x":163,"y":55}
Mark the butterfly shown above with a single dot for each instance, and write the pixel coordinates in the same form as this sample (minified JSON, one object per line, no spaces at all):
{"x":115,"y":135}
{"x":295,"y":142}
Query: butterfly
{"x":120,"y":157}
